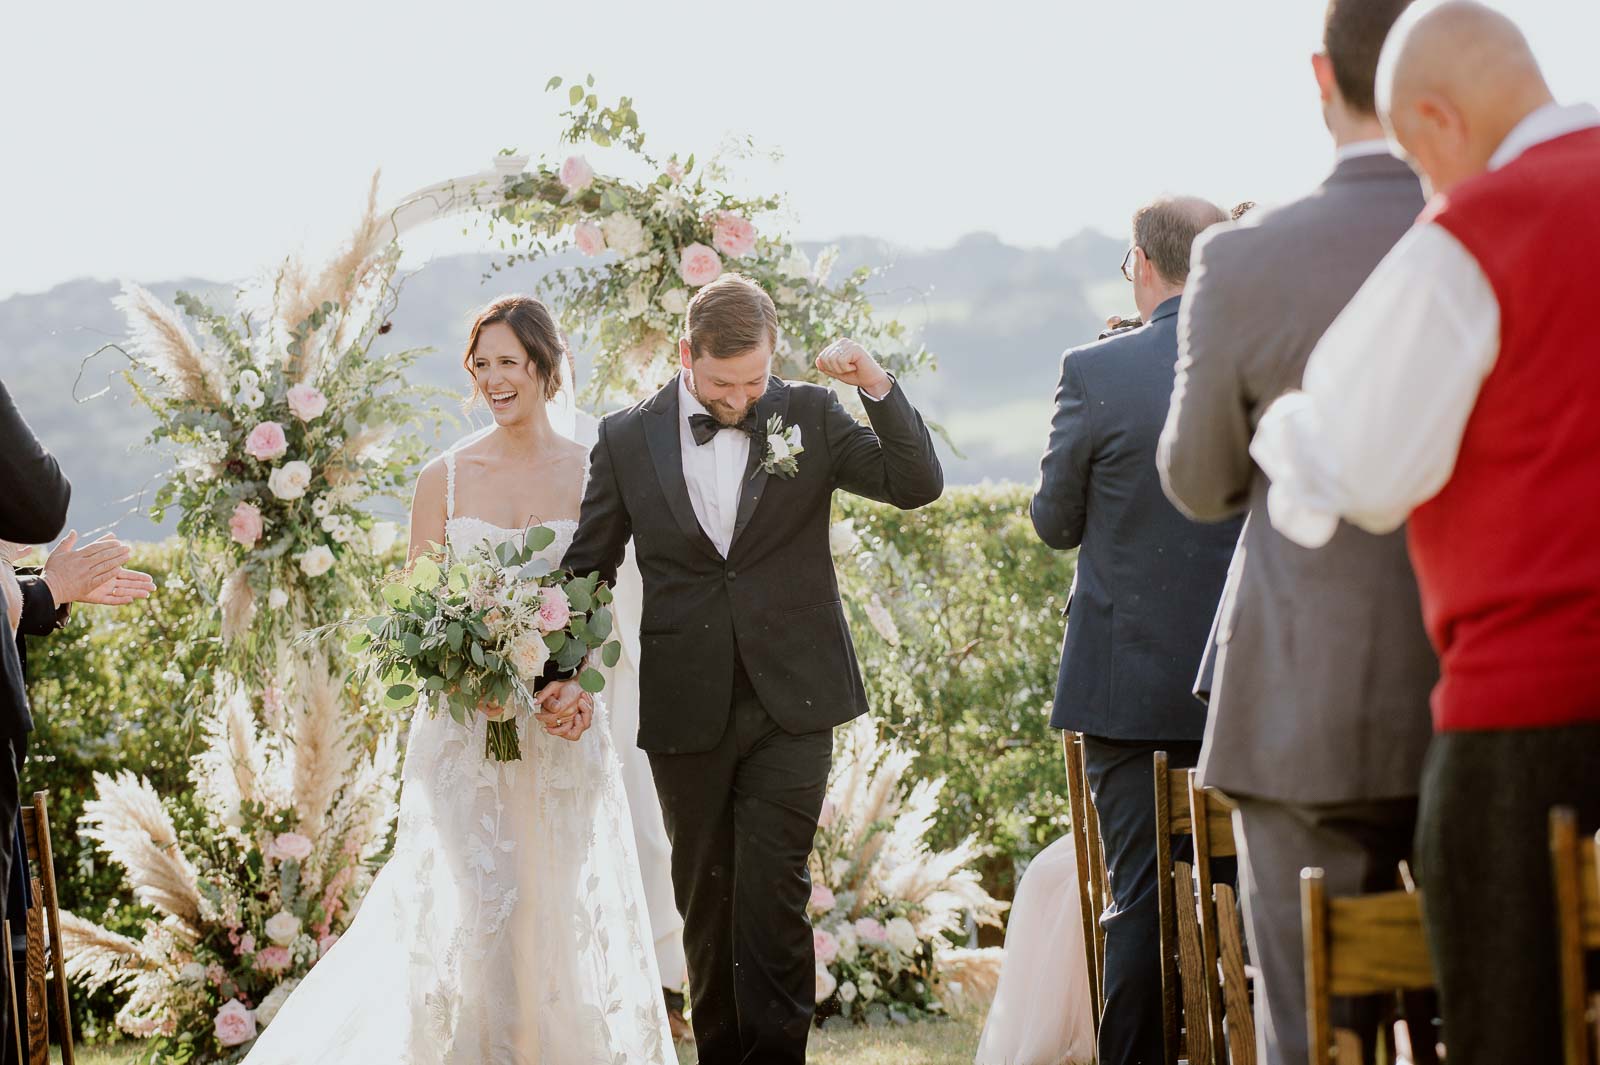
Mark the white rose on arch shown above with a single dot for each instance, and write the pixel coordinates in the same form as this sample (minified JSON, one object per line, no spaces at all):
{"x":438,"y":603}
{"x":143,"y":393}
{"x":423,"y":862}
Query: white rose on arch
{"x":638,"y":301}
{"x":290,"y":480}
{"x":624,"y":234}
{"x":282,"y":927}
{"x":674,"y":301}
{"x":317,"y":561}
{"x":902,"y":935}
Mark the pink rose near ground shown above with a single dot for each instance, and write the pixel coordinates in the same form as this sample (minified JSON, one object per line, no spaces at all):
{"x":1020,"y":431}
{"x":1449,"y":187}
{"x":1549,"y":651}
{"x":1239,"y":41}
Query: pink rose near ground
{"x":272,"y":959}
{"x":291,"y":845}
{"x":245,"y":525}
{"x":589,"y":239}
{"x":734,"y":236}
{"x":306,"y":403}
{"x":576,"y":174}
{"x":266,"y":442}
{"x":822,"y":899}
{"x":555,"y":611}
{"x":826,"y":946}
{"x":699,"y":265}
{"x":235,"y":1024}
{"x":870,"y":931}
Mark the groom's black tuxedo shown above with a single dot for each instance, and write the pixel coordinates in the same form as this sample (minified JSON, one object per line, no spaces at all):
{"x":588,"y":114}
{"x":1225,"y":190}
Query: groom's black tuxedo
{"x":774,"y":599}
{"x":745,"y":666}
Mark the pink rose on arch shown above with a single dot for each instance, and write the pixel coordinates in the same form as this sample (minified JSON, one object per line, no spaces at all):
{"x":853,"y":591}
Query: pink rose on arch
{"x":266,"y":442}
{"x":306,"y":403}
{"x":871,"y":932}
{"x":576,"y":174}
{"x":822,"y":899}
{"x":555,"y":610}
{"x":826,"y":946}
{"x":326,"y":943}
{"x":234,"y":1024}
{"x":245,"y":525}
{"x":674,"y":171}
{"x":699,"y":265}
{"x":272,"y":959}
{"x":247,"y":944}
{"x":589,"y":238}
{"x":290,"y":845}
{"x":734,"y":236}
{"x":215,"y":974}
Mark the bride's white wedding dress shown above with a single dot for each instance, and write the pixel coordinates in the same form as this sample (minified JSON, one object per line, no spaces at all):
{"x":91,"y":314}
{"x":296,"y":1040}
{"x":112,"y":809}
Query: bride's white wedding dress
{"x":509,"y":927}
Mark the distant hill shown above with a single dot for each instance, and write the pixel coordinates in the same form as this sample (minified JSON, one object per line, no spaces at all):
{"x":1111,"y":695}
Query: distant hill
{"x":996,"y":316}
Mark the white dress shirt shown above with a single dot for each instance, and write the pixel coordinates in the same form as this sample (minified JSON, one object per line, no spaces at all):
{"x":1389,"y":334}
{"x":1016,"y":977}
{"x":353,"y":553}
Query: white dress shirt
{"x":713,"y":471}
{"x":1375,"y":429}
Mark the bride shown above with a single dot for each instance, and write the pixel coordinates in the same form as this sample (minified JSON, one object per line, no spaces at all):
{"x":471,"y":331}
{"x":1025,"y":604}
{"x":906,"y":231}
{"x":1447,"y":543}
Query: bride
{"x":509,"y":927}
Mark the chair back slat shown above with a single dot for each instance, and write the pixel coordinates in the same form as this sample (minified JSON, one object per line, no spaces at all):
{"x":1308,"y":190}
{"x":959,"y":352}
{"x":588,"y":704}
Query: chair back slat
{"x":1079,"y":802}
{"x":1577,"y":913}
{"x":44,"y":982}
{"x":1376,"y":944}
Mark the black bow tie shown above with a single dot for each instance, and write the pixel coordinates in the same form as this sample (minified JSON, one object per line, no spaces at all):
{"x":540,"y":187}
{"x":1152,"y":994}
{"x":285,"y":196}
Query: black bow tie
{"x":704,"y":426}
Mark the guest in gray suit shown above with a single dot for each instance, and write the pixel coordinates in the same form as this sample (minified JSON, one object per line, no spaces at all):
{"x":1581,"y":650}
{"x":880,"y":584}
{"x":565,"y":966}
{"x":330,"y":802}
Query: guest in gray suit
{"x":1319,"y":709}
{"x":1146,"y":588}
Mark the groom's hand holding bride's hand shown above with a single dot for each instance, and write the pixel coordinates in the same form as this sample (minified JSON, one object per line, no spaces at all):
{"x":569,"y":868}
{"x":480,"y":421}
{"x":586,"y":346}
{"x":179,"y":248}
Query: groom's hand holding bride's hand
{"x":845,"y":360}
{"x":567,"y":710}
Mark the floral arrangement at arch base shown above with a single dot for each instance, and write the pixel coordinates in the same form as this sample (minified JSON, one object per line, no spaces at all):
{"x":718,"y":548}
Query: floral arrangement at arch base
{"x":883,"y":904}
{"x":649,"y":244}
{"x":252,"y":878}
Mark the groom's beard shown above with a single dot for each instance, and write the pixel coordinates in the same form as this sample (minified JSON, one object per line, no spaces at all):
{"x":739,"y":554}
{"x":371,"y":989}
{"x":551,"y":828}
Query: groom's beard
{"x":725,"y":413}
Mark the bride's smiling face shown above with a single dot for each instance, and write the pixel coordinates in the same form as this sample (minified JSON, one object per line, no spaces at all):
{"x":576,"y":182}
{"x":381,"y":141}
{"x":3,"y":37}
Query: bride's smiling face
{"x":505,"y":376}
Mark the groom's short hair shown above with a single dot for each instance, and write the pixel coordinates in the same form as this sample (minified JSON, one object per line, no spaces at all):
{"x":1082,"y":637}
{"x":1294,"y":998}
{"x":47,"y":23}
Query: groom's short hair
{"x":1353,"y":33}
{"x":729,"y":317}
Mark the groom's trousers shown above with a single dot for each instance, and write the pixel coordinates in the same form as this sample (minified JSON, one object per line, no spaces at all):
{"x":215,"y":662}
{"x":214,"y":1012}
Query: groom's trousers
{"x":742,"y":818}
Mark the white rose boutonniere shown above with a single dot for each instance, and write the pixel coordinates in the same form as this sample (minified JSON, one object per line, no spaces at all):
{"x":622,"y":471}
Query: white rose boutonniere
{"x":782,"y":448}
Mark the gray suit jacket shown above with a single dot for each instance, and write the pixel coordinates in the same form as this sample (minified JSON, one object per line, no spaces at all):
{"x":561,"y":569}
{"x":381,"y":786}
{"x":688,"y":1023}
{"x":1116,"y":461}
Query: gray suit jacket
{"x":1323,"y":669}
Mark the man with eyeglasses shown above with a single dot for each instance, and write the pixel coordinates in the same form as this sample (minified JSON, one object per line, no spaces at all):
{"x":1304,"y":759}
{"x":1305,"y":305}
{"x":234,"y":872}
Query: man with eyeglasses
{"x":1142,"y":600}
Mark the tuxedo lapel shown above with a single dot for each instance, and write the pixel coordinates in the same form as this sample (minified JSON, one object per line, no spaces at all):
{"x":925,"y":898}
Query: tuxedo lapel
{"x":775,"y":401}
{"x":666,"y":452}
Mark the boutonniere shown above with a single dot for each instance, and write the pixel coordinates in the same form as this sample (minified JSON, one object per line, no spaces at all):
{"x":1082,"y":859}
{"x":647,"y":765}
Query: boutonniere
{"x":781,"y":449}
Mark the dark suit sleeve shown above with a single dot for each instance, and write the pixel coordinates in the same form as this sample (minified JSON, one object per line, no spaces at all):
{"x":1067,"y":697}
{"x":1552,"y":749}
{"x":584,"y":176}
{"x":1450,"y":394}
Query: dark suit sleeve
{"x":893,"y":461}
{"x":33,"y":491}
{"x":1204,"y":454}
{"x":1062,"y":497}
{"x":40,"y":615}
{"x":604,"y":527}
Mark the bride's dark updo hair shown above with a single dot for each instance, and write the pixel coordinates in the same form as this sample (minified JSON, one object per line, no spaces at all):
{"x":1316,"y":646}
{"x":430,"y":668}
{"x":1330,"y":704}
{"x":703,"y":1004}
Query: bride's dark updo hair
{"x":536,"y":331}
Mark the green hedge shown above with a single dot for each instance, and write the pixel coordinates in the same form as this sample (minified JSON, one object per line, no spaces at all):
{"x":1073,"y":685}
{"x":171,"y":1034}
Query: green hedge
{"x":975,"y":596}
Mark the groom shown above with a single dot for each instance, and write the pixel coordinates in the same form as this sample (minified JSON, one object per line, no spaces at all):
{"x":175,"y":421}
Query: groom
{"x":746,"y":661}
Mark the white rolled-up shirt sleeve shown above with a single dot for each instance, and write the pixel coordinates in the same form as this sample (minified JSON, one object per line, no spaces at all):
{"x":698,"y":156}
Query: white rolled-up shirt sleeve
{"x":1375,"y":428}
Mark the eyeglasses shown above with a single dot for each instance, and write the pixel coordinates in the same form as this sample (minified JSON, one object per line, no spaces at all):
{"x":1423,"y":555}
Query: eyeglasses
{"x":1129,"y":263}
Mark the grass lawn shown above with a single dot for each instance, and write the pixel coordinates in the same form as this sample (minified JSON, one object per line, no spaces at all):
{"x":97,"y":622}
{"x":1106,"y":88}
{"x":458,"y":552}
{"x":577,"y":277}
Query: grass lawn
{"x":929,"y":1043}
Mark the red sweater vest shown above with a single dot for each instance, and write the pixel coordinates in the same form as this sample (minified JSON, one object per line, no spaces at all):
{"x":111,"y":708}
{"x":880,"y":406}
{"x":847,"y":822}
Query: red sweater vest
{"x":1507,"y":554}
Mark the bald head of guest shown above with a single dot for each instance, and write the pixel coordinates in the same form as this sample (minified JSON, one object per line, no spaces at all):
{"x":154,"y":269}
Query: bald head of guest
{"x":1164,"y":231}
{"x":1455,"y":78}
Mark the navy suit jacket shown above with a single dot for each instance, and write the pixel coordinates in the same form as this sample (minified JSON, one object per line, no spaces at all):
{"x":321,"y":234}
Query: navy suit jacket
{"x":1148,"y":579}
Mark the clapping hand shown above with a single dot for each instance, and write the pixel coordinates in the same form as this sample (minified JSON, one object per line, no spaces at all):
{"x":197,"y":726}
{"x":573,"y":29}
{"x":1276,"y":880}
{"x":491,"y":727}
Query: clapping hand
{"x":94,"y":573}
{"x":566,"y":709}
{"x":845,"y":360}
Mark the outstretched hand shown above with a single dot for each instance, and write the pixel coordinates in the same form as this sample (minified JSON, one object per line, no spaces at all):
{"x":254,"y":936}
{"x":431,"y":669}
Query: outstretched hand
{"x":566,"y":710}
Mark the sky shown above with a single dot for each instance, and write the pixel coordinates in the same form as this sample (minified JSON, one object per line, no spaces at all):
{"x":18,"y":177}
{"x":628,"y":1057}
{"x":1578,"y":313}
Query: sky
{"x":167,"y":140}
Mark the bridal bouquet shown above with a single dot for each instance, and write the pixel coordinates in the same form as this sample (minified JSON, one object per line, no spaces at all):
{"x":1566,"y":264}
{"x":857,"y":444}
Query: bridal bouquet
{"x":478,"y":631}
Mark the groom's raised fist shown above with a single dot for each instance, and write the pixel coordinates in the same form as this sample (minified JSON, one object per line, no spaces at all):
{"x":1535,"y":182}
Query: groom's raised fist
{"x":845,"y":360}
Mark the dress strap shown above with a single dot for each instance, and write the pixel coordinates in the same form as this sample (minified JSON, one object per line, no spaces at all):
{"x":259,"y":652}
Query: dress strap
{"x":449,"y":485}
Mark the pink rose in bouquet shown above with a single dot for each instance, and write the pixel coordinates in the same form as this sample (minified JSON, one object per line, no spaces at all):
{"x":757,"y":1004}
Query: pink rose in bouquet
{"x":234,"y":1024}
{"x":591,"y":240}
{"x":699,"y":265}
{"x":245,"y":525}
{"x":266,"y":442}
{"x":554,"y":610}
{"x":576,"y":174}
{"x":247,"y":944}
{"x":733,"y":235}
{"x":306,"y":403}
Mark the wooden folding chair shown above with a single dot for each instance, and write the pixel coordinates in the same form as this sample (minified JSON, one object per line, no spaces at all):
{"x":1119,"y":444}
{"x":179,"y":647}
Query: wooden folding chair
{"x":1357,"y":945}
{"x":1577,"y":885}
{"x":1187,"y":1030}
{"x":1227,"y":986}
{"x":1091,"y":868}
{"x":45,"y":913}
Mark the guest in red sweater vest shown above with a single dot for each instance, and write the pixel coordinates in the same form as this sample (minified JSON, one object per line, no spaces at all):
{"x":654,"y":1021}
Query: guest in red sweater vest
{"x":1460,"y":389}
